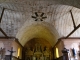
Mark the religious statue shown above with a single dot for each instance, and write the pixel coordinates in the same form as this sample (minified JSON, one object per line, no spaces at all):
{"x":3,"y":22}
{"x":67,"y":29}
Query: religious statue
{"x":38,"y":51}
{"x":47,"y":54}
{"x":38,"y":47}
{"x":2,"y":54}
{"x":79,"y":52}
{"x":29,"y":54}
{"x":65,"y":54}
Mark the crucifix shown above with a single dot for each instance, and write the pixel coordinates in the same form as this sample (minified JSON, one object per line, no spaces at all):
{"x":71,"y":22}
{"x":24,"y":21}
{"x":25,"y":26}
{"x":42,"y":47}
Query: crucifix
{"x":11,"y":52}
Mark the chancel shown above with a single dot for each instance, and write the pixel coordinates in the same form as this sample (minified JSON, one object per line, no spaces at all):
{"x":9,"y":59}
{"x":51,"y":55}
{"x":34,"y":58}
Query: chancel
{"x":40,"y":29}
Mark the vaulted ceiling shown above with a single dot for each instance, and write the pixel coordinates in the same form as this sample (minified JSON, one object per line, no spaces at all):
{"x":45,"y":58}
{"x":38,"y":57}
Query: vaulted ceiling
{"x":17,"y":21}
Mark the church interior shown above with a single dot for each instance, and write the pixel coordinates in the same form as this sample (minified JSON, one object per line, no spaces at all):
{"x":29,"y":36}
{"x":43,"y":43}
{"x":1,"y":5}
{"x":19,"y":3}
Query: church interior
{"x":39,"y":29}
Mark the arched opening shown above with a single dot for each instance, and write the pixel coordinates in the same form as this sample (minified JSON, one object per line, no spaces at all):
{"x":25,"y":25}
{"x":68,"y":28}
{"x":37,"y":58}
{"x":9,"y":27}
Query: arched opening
{"x":42,"y":34}
{"x":38,"y":30}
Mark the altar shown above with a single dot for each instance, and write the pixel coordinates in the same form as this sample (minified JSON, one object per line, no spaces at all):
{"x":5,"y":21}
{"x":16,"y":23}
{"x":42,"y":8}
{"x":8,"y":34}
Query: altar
{"x":37,"y":53}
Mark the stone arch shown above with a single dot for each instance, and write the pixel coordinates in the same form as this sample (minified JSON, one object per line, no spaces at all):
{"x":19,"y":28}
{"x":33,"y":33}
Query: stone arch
{"x":37,"y":30}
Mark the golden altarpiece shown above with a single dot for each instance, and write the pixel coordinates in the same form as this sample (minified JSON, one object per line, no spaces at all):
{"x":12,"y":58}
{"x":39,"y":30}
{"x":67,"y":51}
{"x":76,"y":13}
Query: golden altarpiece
{"x":37,"y":53}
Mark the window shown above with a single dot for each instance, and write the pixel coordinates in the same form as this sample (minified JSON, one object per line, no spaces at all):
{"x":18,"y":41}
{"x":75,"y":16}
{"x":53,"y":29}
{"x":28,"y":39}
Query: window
{"x":18,"y":52}
{"x":57,"y":53}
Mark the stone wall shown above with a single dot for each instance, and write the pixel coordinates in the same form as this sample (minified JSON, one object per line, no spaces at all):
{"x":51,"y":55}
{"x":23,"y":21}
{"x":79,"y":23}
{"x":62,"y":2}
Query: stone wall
{"x":8,"y":44}
{"x":59,"y":46}
{"x":72,"y":44}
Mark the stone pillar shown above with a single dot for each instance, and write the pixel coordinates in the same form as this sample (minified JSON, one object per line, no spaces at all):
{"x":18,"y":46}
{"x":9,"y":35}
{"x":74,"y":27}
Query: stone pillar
{"x":65,"y":54}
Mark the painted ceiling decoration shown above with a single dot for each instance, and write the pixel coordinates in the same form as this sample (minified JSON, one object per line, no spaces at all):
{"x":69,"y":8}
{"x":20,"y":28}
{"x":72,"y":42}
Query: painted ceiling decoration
{"x":17,"y":22}
{"x":39,"y":16}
